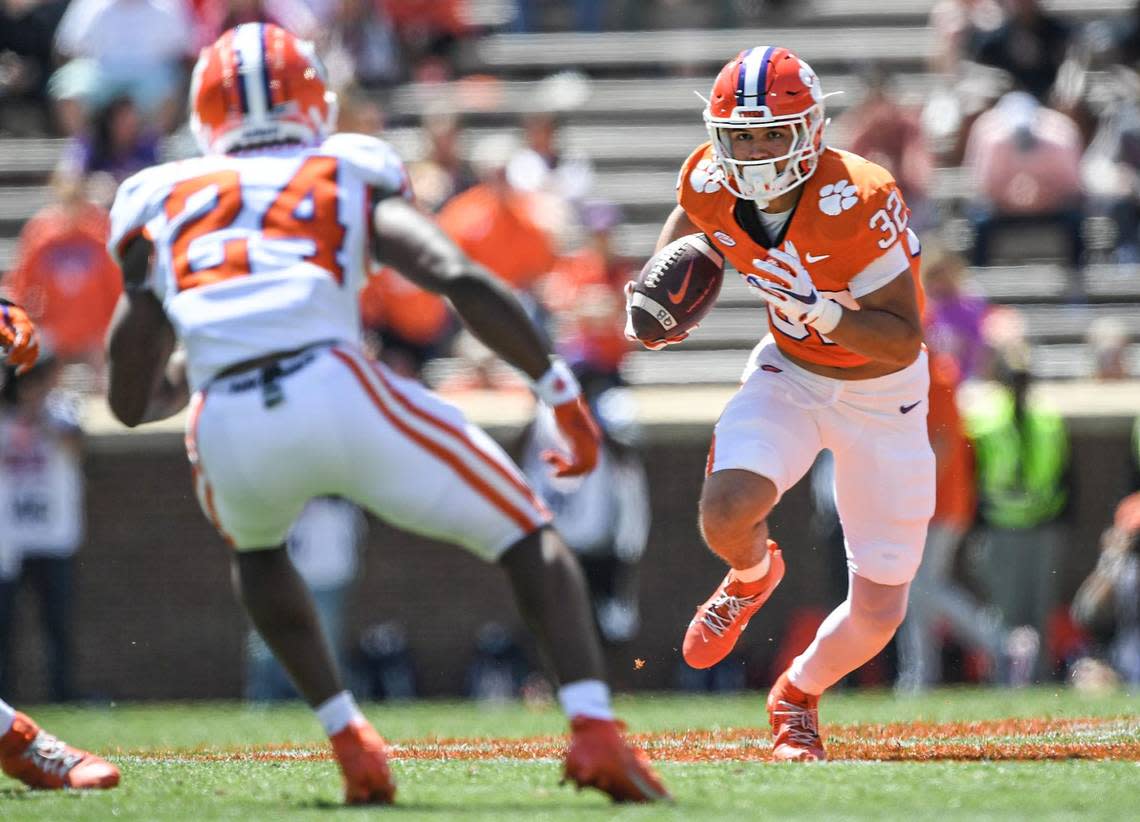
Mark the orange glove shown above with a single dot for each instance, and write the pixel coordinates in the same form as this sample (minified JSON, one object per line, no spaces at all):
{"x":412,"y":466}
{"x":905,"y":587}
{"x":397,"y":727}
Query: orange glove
{"x":18,"y":337}
{"x":559,"y":389}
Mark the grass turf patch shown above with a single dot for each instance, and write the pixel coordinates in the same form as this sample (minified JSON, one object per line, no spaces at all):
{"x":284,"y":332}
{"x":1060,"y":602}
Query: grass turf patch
{"x":227,"y":761}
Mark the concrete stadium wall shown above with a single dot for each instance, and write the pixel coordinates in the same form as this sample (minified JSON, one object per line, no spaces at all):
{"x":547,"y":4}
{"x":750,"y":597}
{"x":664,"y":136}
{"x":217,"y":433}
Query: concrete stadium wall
{"x":155,"y":617}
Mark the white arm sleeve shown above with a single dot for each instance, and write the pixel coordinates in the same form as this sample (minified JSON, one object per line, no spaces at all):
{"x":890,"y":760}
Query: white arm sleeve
{"x":881,"y":271}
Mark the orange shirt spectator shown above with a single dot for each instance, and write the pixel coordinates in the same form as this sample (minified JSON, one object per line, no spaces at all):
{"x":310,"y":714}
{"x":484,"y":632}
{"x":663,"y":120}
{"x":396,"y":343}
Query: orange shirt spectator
{"x":65,"y":278}
{"x":495,"y":227}
{"x":585,"y":293}
{"x":393,"y":303}
{"x":954,"y":496}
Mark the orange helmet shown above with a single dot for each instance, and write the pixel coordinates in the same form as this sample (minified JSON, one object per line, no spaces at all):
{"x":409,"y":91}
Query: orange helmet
{"x":766,"y":86}
{"x":259,"y":84}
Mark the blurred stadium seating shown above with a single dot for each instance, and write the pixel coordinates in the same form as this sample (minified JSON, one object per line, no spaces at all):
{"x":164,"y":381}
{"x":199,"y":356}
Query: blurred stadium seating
{"x":636,"y":116}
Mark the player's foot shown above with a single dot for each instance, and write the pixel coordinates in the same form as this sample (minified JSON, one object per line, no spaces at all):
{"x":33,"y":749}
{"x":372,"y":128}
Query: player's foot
{"x":363,"y":757}
{"x":716,"y":627}
{"x":39,"y":760}
{"x":794,"y":717}
{"x":600,"y":758}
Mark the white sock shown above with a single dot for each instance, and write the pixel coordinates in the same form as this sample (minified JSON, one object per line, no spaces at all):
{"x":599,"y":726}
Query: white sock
{"x":336,"y":712}
{"x":7,"y":717}
{"x":586,"y":697}
{"x":756,"y":572}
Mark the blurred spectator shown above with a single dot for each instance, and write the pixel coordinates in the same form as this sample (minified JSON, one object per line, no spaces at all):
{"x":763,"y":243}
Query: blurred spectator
{"x":879,"y":128}
{"x":64,"y":277}
{"x":1108,"y":601}
{"x":41,"y":513}
{"x":114,"y":47}
{"x":116,"y":144}
{"x":935,"y":598}
{"x":957,"y":26}
{"x":360,"y":111}
{"x":498,"y":667}
{"x":27,"y":29}
{"x":323,"y":545}
{"x":955,"y":311}
{"x":543,"y":164}
{"x":431,"y":33}
{"x":1108,"y":341}
{"x":962,"y":89}
{"x":217,"y":16}
{"x":585,"y":294}
{"x":361,"y":46}
{"x":604,"y":516}
{"x":500,"y":226}
{"x":383,"y":663}
{"x":411,"y":326}
{"x":1111,"y":164}
{"x":442,"y":172}
{"x":1021,"y":454}
{"x":1030,"y":44}
{"x":1024,"y":160}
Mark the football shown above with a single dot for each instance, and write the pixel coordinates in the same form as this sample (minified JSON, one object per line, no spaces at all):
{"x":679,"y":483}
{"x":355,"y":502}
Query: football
{"x":676,"y":289}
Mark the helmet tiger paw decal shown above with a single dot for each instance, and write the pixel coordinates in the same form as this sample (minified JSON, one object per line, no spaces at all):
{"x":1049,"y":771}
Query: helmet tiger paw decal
{"x":835,"y":198}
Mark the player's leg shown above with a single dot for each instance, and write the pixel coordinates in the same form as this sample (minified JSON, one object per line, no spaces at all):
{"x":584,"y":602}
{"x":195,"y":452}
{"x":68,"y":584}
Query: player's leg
{"x":259,"y":455}
{"x":884,"y":524}
{"x":456,"y":484}
{"x":551,"y":593}
{"x":851,"y":635}
{"x":764,"y":442}
{"x":39,"y":760}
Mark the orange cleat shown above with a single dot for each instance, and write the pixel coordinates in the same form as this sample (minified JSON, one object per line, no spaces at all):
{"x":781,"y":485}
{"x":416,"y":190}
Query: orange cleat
{"x":363,"y":757}
{"x":599,"y":758}
{"x":39,"y":760}
{"x":717,"y":625}
{"x":794,"y":717}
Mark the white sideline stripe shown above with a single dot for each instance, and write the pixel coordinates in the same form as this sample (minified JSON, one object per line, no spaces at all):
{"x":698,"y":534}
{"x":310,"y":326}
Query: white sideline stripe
{"x":467,"y":452}
{"x":655,"y":308}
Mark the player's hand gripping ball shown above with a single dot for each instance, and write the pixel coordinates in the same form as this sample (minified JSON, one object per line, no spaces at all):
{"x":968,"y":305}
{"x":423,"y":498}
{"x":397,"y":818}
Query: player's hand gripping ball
{"x":675,"y":290}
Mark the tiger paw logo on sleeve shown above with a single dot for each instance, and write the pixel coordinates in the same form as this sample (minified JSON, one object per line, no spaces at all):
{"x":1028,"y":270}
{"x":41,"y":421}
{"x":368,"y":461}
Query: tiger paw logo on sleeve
{"x":835,"y":198}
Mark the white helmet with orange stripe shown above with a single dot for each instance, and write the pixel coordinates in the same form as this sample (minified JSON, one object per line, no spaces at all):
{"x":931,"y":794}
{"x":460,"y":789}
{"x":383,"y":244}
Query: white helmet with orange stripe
{"x":258,"y":85}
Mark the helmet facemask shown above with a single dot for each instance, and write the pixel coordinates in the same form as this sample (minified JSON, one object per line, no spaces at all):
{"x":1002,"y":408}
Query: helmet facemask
{"x":758,"y":180}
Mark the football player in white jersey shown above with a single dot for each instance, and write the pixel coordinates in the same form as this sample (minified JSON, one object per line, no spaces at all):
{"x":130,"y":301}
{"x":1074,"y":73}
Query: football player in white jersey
{"x":252,"y":257}
{"x":27,"y":752}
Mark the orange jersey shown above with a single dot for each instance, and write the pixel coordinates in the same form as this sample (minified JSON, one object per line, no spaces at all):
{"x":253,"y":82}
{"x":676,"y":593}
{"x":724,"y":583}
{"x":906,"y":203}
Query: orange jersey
{"x":850,"y":227}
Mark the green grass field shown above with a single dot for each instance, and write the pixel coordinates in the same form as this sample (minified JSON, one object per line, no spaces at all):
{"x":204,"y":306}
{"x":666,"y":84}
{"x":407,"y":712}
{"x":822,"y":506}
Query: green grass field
{"x":222,"y":761}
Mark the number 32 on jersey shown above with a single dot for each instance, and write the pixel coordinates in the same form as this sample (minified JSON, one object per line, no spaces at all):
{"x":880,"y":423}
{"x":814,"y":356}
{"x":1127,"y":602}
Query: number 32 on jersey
{"x":210,"y":244}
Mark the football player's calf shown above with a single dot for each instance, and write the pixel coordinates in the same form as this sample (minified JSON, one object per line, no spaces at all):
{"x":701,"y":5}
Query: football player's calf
{"x":39,"y":760}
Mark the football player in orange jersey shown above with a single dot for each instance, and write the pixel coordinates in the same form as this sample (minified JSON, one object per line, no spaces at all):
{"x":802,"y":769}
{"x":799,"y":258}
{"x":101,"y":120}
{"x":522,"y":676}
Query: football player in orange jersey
{"x":821,"y":237}
{"x":28,"y":753}
{"x":254,"y":256}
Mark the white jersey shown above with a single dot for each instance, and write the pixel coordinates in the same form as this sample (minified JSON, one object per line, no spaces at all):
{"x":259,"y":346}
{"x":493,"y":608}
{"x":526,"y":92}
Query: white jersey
{"x":259,"y":252}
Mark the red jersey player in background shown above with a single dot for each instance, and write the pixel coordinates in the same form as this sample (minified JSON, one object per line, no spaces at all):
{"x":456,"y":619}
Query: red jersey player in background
{"x":821,"y":236}
{"x":253,"y":257}
{"x":27,"y":752}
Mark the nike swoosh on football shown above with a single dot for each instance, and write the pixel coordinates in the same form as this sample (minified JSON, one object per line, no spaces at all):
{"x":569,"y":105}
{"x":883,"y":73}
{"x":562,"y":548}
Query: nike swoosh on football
{"x":680,"y":295}
{"x":808,"y":300}
{"x":906,"y":409}
{"x":812,"y":258}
